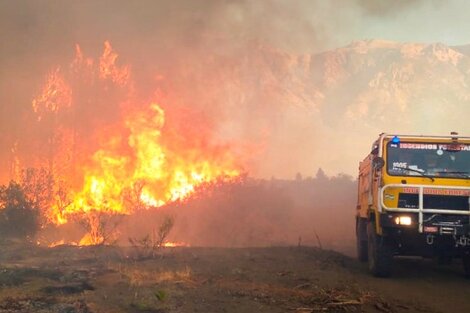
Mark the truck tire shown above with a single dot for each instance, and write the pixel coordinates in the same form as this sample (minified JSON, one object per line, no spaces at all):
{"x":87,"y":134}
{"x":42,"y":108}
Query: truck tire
{"x":380,"y":254}
{"x":466,"y":263}
{"x":361,"y":239}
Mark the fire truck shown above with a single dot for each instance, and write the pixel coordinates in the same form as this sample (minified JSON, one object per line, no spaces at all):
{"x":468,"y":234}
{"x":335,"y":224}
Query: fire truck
{"x":413,"y":200}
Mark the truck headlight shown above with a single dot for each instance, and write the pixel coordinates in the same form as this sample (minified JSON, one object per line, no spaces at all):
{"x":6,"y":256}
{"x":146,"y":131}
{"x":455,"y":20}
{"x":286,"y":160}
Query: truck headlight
{"x":403,"y":220}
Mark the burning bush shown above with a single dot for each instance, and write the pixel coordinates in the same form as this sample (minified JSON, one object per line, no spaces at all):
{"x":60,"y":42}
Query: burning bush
{"x":107,"y":148}
{"x":18,"y":216}
{"x":101,"y":227}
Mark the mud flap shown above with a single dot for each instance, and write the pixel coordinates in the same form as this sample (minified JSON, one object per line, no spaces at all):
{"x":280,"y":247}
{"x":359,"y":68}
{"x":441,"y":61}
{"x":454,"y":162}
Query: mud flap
{"x":380,"y":254}
{"x":466,"y":263}
{"x":361,"y":239}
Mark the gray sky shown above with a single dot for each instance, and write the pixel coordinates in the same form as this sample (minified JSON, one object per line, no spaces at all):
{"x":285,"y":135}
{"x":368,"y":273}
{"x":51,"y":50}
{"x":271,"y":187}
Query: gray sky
{"x":426,"y":21}
{"x":49,"y":28}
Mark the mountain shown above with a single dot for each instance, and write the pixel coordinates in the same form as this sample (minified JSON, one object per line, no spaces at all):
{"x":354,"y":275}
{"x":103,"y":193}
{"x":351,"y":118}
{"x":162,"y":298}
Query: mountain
{"x":331,"y":105}
{"x":464,"y":49}
{"x":389,"y":84}
{"x":383,"y":84}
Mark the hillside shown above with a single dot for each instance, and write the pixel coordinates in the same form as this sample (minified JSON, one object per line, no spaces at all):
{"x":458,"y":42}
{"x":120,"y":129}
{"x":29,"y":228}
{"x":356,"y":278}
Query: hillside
{"x":343,"y":98}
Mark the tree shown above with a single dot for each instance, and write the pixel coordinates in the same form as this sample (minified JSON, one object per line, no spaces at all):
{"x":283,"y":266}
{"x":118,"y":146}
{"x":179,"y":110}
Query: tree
{"x":321,"y":176}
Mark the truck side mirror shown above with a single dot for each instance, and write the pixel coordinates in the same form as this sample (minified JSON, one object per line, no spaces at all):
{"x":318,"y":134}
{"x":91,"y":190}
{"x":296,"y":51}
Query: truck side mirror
{"x":378,"y":162}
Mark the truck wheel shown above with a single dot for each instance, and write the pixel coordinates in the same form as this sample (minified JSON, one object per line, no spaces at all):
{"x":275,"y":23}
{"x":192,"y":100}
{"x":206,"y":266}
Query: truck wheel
{"x":361,"y":239}
{"x":380,"y":254}
{"x":466,"y":263}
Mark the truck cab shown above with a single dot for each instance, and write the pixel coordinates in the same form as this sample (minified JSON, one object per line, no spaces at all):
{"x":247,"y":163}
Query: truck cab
{"x":413,"y":200}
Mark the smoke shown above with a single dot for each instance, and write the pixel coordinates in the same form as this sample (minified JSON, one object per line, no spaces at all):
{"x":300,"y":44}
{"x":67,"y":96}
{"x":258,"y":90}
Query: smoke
{"x":260,"y":77}
{"x":244,"y":65}
{"x":384,"y":8}
{"x":313,"y":211}
{"x":174,"y":48}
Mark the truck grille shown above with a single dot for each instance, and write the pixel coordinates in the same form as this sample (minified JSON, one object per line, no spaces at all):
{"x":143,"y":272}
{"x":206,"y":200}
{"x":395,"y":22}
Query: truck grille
{"x":411,"y":200}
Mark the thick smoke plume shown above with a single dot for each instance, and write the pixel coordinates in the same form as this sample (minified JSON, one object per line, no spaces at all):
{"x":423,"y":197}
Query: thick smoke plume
{"x":246,"y":64}
{"x":250,"y":77}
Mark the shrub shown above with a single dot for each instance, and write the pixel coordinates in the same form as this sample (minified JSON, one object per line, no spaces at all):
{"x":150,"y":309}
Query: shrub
{"x":18,"y":216}
{"x":149,"y":245}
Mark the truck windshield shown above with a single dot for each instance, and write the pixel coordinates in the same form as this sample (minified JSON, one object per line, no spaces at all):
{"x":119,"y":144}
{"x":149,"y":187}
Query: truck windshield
{"x":451,"y":160}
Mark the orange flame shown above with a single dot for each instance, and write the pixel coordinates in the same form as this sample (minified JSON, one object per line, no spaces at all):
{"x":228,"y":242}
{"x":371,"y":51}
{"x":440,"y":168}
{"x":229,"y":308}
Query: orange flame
{"x":56,"y":94}
{"x":132,"y":163}
{"x":108,"y":68}
{"x":171,"y":244}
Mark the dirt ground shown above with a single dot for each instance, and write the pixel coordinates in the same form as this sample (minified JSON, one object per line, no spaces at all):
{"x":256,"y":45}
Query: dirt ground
{"x":279,"y":279}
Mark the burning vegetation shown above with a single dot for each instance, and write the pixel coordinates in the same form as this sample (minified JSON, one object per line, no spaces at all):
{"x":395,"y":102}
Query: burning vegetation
{"x":104,"y":161}
{"x":103,"y":150}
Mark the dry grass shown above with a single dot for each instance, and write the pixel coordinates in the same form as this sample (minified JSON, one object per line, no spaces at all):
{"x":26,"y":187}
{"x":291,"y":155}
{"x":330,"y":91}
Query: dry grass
{"x":139,"y":277}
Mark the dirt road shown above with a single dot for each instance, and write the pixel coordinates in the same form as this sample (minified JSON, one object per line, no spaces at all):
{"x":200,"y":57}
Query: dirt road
{"x":288,"y":279}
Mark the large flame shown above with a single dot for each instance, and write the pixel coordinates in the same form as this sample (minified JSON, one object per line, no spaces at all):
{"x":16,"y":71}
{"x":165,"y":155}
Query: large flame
{"x":131,"y":161}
